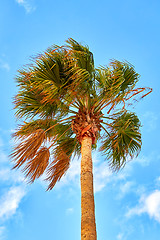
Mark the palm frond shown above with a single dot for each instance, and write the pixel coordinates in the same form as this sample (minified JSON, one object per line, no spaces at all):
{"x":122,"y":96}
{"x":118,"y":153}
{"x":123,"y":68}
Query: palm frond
{"x":36,"y":166}
{"x":62,"y":157}
{"x":50,"y":127}
{"x":82,"y":54}
{"x":123,"y":140}
{"x":28,"y":128}
{"x":116,"y":85}
{"x":126,"y":71}
{"x":28,"y":147}
{"x":41,"y":87}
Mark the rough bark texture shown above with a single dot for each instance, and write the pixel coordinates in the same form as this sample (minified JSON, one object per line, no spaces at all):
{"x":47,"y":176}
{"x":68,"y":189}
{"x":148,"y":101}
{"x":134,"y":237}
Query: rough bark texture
{"x":88,"y":225}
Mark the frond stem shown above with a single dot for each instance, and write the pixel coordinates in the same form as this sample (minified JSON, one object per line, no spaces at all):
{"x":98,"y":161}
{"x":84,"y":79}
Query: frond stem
{"x":58,"y":123}
{"x":105,"y":130}
{"x":58,"y":138}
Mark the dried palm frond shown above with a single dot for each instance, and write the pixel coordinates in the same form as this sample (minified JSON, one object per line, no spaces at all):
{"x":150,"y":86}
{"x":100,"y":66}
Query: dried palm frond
{"x":28,"y":147}
{"x":36,"y":166}
{"x":63,"y":152}
{"x":58,"y":168}
{"x":27,"y":128}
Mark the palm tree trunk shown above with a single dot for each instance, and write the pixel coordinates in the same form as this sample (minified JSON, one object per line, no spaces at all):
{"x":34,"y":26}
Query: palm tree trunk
{"x":88,"y":224}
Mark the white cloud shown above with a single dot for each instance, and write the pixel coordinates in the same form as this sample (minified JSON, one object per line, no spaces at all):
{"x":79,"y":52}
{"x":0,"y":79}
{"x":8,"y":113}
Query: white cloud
{"x":125,"y":233}
{"x":13,"y":181}
{"x":9,"y":203}
{"x":6,"y":173}
{"x":11,"y":176}
{"x":148,"y":204}
{"x":143,"y":161}
{"x":102,"y":175}
{"x":125,"y":188}
{"x":3,"y":157}
{"x":120,"y":236}
{"x":157,"y":181}
{"x":72,"y":175}
{"x":73,"y":171}
{"x":27,"y":6}
{"x":69,"y":211}
{"x":2,"y":232}
{"x":4,"y":65}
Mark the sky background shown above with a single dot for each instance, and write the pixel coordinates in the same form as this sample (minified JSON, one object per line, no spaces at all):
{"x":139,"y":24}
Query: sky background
{"x":127,"y":203}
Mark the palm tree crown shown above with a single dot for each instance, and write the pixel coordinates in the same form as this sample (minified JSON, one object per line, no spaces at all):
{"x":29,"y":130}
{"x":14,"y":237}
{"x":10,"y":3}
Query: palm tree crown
{"x":62,"y":98}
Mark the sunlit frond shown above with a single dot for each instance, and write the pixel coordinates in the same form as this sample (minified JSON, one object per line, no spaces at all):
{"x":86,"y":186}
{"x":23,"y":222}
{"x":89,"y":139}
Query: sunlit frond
{"x":28,"y":128}
{"x":116,"y":85}
{"x":42,"y":87}
{"x":28,"y":147}
{"x":123,"y":141}
{"x":125,"y":71}
{"x":82,"y":54}
{"x":62,"y":157}
{"x":36,"y":166}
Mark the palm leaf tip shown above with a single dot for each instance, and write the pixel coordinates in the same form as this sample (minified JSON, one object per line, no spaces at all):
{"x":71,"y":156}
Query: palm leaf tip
{"x":66,"y":148}
{"x":124,"y":140}
{"x":57,"y":169}
{"x":28,"y":147}
{"x":36,"y":166}
{"x":126,"y":72}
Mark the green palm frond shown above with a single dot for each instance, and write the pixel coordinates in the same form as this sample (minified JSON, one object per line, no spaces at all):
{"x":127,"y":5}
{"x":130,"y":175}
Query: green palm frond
{"x":42,"y":87}
{"x":123,"y":140}
{"x":116,"y":83}
{"x":82,"y":54}
{"x":30,"y":127}
{"x":125,"y":71}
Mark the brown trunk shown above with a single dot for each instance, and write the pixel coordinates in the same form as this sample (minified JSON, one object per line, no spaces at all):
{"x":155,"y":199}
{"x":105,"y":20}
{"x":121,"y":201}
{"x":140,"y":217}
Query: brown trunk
{"x":88,"y":225}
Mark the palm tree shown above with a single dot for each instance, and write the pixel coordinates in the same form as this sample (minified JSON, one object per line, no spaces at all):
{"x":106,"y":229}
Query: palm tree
{"x":67,"y":106}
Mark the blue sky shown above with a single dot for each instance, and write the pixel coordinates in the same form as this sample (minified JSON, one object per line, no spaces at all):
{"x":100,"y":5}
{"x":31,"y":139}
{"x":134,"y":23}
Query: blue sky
{"x":127,"y":203}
